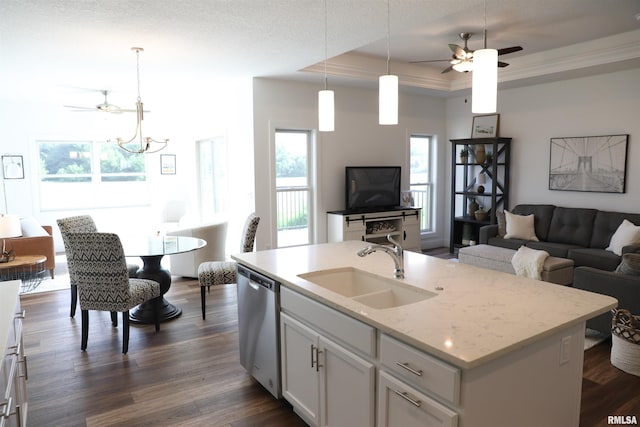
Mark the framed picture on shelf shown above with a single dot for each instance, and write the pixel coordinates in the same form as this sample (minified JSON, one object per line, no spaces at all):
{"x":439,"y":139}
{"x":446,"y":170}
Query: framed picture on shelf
{"x":12,"y":167}
{"x":485,"y":126}
{"x":168,"y":164}
{"x":589,"y":163}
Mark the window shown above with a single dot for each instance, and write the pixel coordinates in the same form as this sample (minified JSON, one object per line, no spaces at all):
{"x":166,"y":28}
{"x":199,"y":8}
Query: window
{"x":212,"y":177}
{"x":89,"y":174}
{"x":421,"y":178}
{"x":293,"y":187}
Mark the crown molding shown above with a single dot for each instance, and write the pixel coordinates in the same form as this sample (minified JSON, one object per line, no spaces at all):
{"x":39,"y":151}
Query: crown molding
{"x":619,"y":51}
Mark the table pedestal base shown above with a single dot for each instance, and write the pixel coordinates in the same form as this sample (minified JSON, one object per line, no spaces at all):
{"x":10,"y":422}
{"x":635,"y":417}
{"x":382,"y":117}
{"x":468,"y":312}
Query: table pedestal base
{"x":152,"y":270}
{"x":144,"y":313}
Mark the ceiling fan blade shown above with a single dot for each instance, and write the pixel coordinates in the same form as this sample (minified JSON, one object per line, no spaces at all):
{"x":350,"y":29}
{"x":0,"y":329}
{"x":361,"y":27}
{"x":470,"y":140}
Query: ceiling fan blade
{"x":429,"y":60}
{"x":511,"y":49}
{"x":79,"y":108}
{"x":502,"y":64}
{"x":457,"y":50}
{"x":446,"y":70}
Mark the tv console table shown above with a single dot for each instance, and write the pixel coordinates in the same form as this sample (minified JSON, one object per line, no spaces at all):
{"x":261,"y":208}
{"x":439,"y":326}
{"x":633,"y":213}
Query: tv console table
{"x":374,"y":226}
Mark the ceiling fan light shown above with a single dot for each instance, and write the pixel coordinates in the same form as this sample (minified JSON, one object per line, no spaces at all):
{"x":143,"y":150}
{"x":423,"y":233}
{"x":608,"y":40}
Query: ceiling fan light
{"x":326,"y":111}
{"x":388,"y":100}
{"x":463,"y":66}
{"x":484,"y":81}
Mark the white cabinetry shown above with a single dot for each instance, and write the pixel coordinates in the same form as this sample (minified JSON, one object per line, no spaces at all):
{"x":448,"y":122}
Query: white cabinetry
{"x":327,"y":383}
{"x":403,"y":224}
{"x":403,"y":401}
{"x":13,"y":370}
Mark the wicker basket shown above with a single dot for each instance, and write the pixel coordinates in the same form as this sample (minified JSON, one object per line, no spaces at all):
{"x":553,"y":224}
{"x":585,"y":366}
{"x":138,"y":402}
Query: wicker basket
{"x":625,"y":339}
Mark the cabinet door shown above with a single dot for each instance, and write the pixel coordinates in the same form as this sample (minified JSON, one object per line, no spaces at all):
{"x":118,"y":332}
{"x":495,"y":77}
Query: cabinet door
{"x":300,"y":385}
{"x":347,"y":387}
{"x":401,"y":405}
{"x":411,"y":234}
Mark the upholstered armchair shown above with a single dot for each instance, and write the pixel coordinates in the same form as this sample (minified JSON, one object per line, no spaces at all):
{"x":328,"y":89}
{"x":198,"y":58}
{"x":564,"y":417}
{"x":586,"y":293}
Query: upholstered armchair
{"x":186,"y":264}
{"x":103,"y":281}
{"x":225,"y":272}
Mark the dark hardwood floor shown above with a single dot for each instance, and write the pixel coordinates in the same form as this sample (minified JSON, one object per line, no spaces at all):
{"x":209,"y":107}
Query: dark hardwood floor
{"x":188,"y":374}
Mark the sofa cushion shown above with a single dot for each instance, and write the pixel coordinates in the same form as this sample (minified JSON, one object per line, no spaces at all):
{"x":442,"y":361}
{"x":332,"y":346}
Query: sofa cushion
{"x":559,"y":250}
{"x":520,"y":226}
{"x":592,"y":257}
{"x":542,"y":217}
{"x":630,"y":265}
{"x":506,"y":243}
{"x":606,"y":224}
{"x":572,"y":226}
{"x":627,"y":234}
{"x":32,"y":228}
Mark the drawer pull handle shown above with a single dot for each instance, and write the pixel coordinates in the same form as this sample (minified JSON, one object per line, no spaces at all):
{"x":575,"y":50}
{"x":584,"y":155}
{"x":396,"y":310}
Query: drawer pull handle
{"x":405,"y":396}
{"x":312,"y":351}
{"x":410,"y":369}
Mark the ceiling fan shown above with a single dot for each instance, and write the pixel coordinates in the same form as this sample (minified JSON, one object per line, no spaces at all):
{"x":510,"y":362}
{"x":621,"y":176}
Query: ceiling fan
{"x":462,"y":58}
{"x":104,"y":107}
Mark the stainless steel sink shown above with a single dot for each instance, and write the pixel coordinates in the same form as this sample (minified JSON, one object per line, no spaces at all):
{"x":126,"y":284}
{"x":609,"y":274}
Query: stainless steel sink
{"x":369,"y":289}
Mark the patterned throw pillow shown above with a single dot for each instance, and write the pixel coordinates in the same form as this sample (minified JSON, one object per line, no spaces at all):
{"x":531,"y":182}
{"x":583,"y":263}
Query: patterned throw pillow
{"x":502,"y":223}
{"x":630,"y":265}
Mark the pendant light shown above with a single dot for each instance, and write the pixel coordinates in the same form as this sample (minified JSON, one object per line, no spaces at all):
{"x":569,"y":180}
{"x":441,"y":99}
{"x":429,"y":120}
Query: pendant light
{"x":484,"y":86}
{"x":388,"y":87}
{"x":146,"y":144}
{"x":326,"y":108}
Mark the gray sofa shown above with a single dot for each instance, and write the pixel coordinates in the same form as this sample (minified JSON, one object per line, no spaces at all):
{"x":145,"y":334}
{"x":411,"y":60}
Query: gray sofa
{"x":583,"y":236}
{"x":579,"y":234}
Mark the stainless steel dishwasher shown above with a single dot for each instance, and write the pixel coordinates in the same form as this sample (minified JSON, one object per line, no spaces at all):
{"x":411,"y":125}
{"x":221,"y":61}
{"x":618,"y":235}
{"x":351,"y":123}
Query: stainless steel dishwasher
{"x":258,"y":327}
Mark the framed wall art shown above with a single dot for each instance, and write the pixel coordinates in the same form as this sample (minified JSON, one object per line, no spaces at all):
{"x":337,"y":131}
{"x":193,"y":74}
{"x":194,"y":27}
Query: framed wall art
{"x":589,"y":163}
{"x":485,"y":126}
{"x":12,"y":167}
{"x":168,"y":164}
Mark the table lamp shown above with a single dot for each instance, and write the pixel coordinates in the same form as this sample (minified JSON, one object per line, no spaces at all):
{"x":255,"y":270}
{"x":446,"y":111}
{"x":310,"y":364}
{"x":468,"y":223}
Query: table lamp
{"x":10,"y":226}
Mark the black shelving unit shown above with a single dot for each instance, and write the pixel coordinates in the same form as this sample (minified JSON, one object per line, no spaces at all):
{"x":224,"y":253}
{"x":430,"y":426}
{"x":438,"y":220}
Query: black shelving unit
{"x":464,"y":186}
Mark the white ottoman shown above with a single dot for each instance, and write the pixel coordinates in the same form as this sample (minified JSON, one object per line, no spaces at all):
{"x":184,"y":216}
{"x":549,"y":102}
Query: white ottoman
{"x":555,"y":270}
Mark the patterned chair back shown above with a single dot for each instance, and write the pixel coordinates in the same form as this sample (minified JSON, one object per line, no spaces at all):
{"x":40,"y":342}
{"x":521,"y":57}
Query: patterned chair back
{"x":249,"y":233}
{"x":101,"y":270}
{"x":74,"y":224}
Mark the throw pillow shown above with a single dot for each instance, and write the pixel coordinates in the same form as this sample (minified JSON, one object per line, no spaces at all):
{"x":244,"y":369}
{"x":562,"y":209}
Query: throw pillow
{"x":502,"y":223}
{"x":630,"y":265}
{"x":627,"y":234}
{"x":520,"y":227}
{"x":32,"y":228}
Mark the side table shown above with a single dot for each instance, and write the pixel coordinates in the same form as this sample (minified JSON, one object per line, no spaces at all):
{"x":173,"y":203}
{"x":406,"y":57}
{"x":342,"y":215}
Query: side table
{"x":28,"y":268}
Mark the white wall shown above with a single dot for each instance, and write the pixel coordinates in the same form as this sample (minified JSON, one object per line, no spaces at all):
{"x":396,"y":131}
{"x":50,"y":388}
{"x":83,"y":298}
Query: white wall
{"x":357,"y":140}
{"x":178,"y":112}
{"x":605,"y":104}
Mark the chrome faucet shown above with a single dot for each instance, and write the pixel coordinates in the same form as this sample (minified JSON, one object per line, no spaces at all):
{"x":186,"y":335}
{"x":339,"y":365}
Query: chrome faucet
{"x":396,"y":253}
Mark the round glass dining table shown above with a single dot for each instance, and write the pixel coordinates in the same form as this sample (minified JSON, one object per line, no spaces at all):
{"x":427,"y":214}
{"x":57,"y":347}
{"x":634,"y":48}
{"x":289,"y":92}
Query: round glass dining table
{"x":151,"y":249}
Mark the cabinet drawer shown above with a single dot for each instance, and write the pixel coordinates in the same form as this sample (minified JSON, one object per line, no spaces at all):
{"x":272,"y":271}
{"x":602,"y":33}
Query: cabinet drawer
{"x":350,"y":332}
{"x":402,"y":405}
{"x":419,"y":369}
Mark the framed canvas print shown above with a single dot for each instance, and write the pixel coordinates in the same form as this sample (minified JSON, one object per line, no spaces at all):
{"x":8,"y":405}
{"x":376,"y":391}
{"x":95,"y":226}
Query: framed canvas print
{"x":12,"y":167}
{"x":485,"y":126}
{"x":589,"y":163}
{"x":168,"y":164}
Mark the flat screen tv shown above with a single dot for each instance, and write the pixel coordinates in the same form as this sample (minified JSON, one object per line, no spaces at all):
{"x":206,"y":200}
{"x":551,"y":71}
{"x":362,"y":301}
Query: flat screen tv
{"x":372,"y":187}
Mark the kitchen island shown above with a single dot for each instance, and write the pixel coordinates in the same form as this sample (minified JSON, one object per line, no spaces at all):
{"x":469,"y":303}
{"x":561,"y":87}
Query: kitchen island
{"x":510,"y":349}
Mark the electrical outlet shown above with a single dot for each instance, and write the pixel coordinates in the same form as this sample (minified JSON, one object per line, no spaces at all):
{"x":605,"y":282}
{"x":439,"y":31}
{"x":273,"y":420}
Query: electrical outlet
{"x":565,"y":350}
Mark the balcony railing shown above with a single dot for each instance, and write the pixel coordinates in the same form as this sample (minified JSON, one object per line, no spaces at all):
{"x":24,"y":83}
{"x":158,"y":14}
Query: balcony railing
{"x":422,"y":198}
{"x":292,"y":207}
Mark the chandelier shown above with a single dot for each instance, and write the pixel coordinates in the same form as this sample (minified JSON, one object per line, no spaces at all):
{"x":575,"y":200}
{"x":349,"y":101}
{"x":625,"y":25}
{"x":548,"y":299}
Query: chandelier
{"x":145,"y":144}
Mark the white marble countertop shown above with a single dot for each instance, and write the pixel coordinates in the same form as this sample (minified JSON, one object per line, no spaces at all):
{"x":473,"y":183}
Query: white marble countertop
{"x":477,"y":316}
